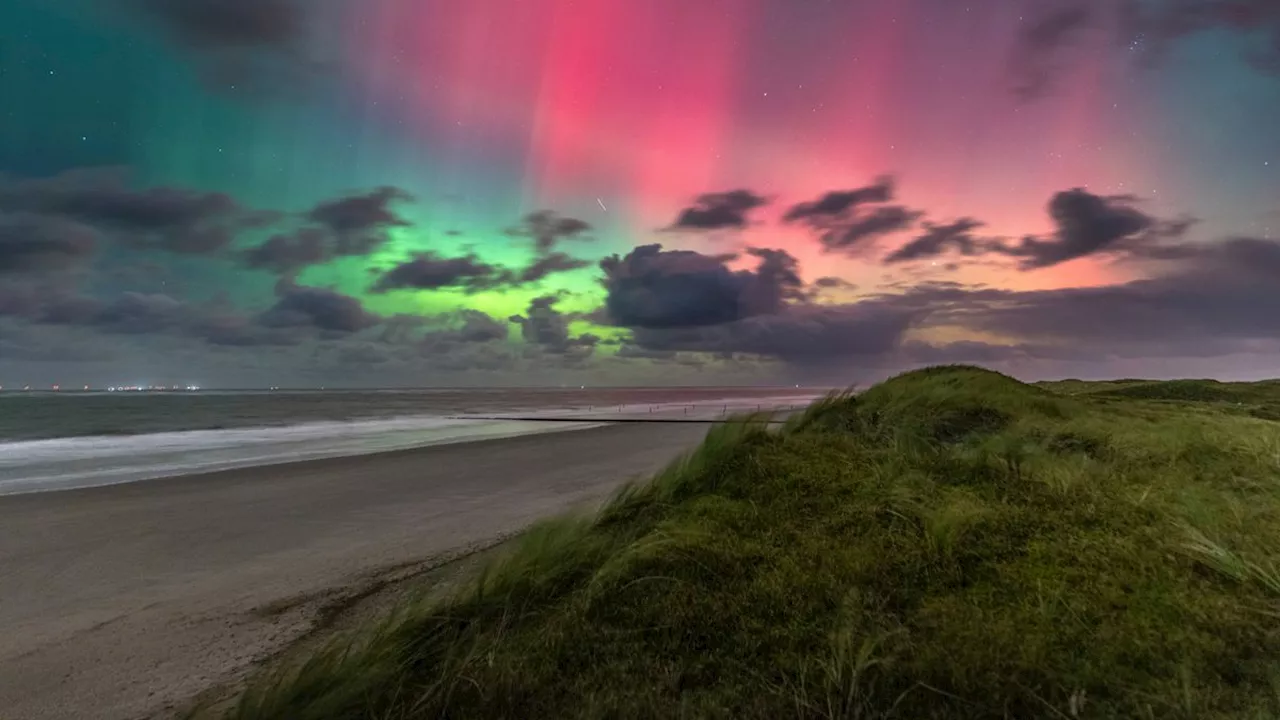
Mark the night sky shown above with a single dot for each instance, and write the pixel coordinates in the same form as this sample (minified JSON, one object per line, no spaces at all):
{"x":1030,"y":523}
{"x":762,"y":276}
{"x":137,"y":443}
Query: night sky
{"x":487,"y":192}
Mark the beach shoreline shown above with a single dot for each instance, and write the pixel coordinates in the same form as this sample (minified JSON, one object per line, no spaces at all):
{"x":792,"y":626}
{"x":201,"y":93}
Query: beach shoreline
{"x":129,"y":600}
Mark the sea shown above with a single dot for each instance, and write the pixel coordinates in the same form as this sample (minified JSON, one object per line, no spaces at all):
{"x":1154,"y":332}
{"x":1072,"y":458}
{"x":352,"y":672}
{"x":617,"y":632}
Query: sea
{"x":64,"y":440}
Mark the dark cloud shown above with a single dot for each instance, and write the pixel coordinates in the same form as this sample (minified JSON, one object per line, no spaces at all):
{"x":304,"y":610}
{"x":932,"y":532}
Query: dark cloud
{"x":361,"y":222}
{"x":1037,"y":52}
{"x":286,"y":254}
{"x":1147,"y":30}
{"x":462,"y":328}
{"x":432,"y":271}
{"x":176,"y":220}
{"x":141,"y":313}
{"x":843,"y":222}
{"x":362,"y":354}
{"x":35,"y":243}
{"x":46,"y":345}
{"x":835,"y":204}
{"x":229,"y":23}
{"x":545,"y":265}
{"x":719,"y":211}
{"x":653,"y":288}
{"x":833,"y":283}
{"x":548,"y":229}
{"x":548,"y":329}
{"x":805,"y":335}
{"x":479,"y":327}
{"x":1086,"y":224}
{"x":485,"y":357}
{"x":56,"y":307}
{"x":1208,"y":300}
{"x":938,"y":239}
{"x":239,"y":45}
{"x":880,"y":221}
{"x":311,"y":307}
{"x":231,"y":330}
{"x":137,"y":313}
{"x":1212,"y":299}
{"x":1217,"y":292}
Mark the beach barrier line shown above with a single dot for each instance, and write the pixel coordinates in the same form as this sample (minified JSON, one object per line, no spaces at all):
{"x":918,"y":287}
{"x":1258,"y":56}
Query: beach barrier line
{"x":602,"y":419}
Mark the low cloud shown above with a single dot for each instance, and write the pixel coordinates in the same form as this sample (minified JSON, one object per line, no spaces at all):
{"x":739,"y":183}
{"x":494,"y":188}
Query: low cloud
{"x":176,"y":220}
{"x":547,"y":229}
{"x":316,"y":308}
{"x":1212,"y":297}
{"x":288,"y":253}
{"x":432,"y":271}
{"x":938,"y":239}
{"x":455,"y":332}
{"x":719,"y":211}
{"x":846,"y":220}
{"x":32,"y":243}
{"x":361,"y":223}
{"x":804,"y":335}
{"x":831,"y":282}
{"x":655,"y":288}
{"x":548,"y":329}
{"x":556,"y":262}
{"x":1086,"y":224}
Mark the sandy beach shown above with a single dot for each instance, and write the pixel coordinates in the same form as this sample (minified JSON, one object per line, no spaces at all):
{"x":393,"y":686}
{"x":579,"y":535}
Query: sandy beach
{"x":125,"y":602}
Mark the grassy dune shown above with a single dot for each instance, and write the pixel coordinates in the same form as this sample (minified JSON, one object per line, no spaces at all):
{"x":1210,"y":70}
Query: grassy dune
{"x":952,"y":543}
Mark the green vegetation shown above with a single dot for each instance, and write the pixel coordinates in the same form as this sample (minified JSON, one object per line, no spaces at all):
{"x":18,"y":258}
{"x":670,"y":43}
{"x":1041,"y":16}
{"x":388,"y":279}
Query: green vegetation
{"x":951,"y":543}
{"x":1257,"y":399}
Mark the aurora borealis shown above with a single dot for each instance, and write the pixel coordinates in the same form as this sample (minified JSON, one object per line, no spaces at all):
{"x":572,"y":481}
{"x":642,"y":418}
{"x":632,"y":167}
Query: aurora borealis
{"x":436,"y":192}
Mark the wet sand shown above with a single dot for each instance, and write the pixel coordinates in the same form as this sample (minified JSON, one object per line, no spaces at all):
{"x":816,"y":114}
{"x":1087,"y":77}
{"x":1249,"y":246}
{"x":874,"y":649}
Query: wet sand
{"x":127,"y":601}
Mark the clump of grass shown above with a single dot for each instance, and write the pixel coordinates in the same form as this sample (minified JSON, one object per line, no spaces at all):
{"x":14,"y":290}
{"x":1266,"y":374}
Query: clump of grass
{"x":1215,"y":555}
{"x":950,"y":543}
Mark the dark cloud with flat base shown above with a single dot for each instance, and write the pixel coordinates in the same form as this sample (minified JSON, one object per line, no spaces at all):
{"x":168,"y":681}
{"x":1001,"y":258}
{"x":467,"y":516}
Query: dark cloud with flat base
{"x":432,"y":271}
{"x":654,"y":288}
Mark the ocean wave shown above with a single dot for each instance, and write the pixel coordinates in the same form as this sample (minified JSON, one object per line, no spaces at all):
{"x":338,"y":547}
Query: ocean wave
{"x":74,"y":462}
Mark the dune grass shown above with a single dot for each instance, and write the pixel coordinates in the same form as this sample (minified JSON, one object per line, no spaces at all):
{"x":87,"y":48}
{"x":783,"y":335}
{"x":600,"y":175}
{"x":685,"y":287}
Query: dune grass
{"x":951,"y":543}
